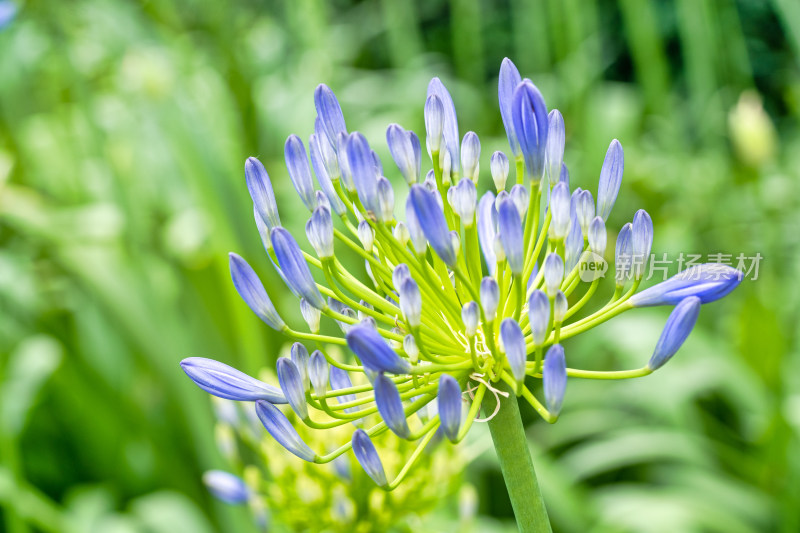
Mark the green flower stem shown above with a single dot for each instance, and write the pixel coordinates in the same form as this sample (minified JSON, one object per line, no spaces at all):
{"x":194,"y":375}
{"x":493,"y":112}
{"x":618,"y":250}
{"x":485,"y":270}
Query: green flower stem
{"x":412,"y":460}
{"x":511,"y":446}
{"x":586,"y":297}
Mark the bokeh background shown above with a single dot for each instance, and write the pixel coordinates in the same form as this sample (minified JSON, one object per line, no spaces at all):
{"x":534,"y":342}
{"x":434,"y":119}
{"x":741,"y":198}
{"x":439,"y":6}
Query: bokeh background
{"x":124,"y":127}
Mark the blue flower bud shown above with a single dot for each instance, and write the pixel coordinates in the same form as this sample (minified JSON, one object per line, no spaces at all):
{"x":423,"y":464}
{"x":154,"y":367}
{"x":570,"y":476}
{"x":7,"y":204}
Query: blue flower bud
{"x":411,"y":348}
{"x":554,"y":378}
{"x":362,"y":168}
{"x":560,"y":307}
{"x":319,"y":230}
{"x":679,"y":326}
{"x":623,"y":253}
{"x":322,"y":200}
{"x":418,"y":239}
{"x":470,"y":155}
{"x":641,"y":241}
{"x":554,"y":150}
{"x":324,"y":175}
{"x":519,"y":195}
{"x":226,"y":487}
{"x":310,"y":314}
{"x":538,"y":315}
{"x":299,"y":171}
{"x":499,"y":167}
{"x":709,"y":282}
{"x":584,"y":207}
{"x":509,"y":80}
{"x":462,"y":199}
{"x":226,"y":382}
{"x":341,"y":380}
{"x":399,"y":275}
{"x":514,"y":347}
{"x":410,"y":302}
{"x":610,"y":179}
{"x":366,"y":235}
{"x":373,"y":351}
{"x":449,"y":402}
{"x":487,"y":230}
{"x":318,"y":373}
{"x":564,"y":177}
{"x":253,"y":293}
{"x":470,"y":316}
{"x":431,"y":218}
{"x":573,"y":246}
{"x":293,"y":386}
{"x":510,"y":229}
{"x":344,"y":163}
{"x":553,"y":273}
{"x":385,"y":192}
{"x":368,"y":458}
{"x":329,"y":112}
{"x":434,"y":122}
{"x":402,"y":148}
{"x":260,"y":188}
{"x":560,"y":205}
{"x":282,"y":430}
{"x":294,"y":267}
{"x":597,"y":236}
{"x":376,"y":164}
{"x":529,"y":114}
{"x":390,"y":406}
{"x":490,"y":297}
{"x":450,"y":123}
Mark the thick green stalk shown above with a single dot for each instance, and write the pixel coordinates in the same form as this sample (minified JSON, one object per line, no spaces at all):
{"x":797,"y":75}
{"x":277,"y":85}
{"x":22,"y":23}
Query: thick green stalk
{"x":511,"y":446}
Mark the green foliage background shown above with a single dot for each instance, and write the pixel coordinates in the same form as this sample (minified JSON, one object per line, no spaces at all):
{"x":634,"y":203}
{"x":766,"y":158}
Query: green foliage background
{"x":123,"y":131}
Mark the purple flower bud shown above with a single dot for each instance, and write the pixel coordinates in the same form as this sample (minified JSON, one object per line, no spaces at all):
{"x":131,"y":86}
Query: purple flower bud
{"x":538,"y":315}
{"x":641,"y":241}
{"x":610,"y":179}
{"x":529,"y":114}
{"x":399,"y":275}
{"x":431,"y":218}
{"x":449,"y":402}
{"x":253,"y":293}
{"x":292,"y":386}
{"x":321,"y":169}
{"x":226,"y":382}
{"x":415,"y":232}
{"x":329,"y":112}
{"x":373,"y":351}
{"x":709,"y":282}
{"x":294,"y":267}
{"x":368,"y":458}
{"x":390,"y":406}
{"x":260,"y":188}
{"x":402,"y":148}
{"x":510,"y":229}
{"x":514,"y":346}
{"x":679,"y":325}
{"x":434,"y":122}
{"x":554,"y":378}
{"x":319,"y":230}
{"x":509,"y":80}
{"x":282,"y":431}
{"x":299,"y":171}
{"x":623,"y":254}
{"x":450,"y":122}
{"x":385,"y":199}
{"x":362,"y":167}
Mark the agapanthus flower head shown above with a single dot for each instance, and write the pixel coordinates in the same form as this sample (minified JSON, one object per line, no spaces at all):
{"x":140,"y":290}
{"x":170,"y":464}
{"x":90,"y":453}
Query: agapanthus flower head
{"x":458,"y":299}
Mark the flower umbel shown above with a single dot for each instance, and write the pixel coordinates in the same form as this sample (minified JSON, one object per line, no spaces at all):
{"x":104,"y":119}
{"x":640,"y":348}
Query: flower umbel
{"x":453,"y":305}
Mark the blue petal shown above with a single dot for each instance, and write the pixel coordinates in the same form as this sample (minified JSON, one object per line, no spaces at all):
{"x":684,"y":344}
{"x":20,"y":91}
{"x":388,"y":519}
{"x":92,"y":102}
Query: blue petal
{"x":514,"y":345}
{"x":299,"y":171}
{"x":253,"y":293}
{"x":490,"y":297}
{"x":411,"y":302}
{"x":318,"y":373}
{"x":554,"y":150}
{"x":294,"y":267}
{"x":418,"y":238}
{"x":373,"y":351}
{"x":431,"y":218}
{"x":553,"y":273}
{"x":449,"y":404}
{"x":538,"y":315}
{"x":498,"y":164}
{"x":470,"y":155}
{"x":450,"y":130}
{"x":292,"y":386}
{"x":679,"y":326}
{"x":709,"y":282}
{"x":622,"y":254}
{"x":282,"y":431}
{"x":319,"y":230}
{"x":226,"y":382}
{"x":260,"y":188}
{"x":368,"y":458}
{"x":434,"y":122}
{"x":510,"y":229}
{"x":401,"y":146}
{"x":554,"y":378}
{"x":390,"y":406}
{"x":323,"y":176}
{"x":362,"y":168}
{"x":610,"y":179}
{"x":641,"y":241}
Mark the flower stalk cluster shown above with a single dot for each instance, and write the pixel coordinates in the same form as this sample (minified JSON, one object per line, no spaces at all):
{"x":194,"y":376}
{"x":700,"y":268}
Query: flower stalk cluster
{"x":462,"y":293}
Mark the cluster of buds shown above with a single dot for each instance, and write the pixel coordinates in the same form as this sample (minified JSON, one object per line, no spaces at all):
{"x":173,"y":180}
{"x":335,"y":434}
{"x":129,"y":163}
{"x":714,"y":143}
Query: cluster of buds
{"x":454,"y":304}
